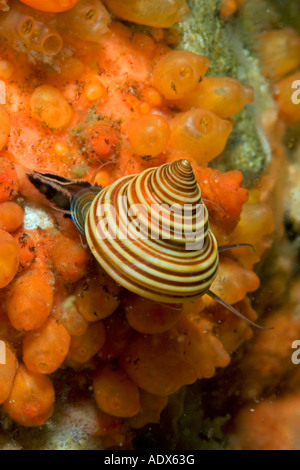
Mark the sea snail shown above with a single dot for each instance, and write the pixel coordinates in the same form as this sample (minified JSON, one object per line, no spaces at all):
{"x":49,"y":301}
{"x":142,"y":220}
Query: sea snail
{"x":150,"y":232}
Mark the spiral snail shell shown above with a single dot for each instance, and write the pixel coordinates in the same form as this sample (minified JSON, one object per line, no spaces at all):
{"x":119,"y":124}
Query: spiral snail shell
{"x":162,"y":249}
{"x":149,"y":232}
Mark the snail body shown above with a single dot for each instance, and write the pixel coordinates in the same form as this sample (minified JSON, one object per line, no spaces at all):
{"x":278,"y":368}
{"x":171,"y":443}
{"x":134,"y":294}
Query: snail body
{"x":149,"y":232}
{"x":139,"y":233}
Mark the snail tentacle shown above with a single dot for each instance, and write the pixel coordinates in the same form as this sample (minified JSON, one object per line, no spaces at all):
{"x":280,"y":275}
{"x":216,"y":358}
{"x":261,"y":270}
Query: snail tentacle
{"x":235,"y":245}
{"x":233,"y":310}
{"x":93,"y":179}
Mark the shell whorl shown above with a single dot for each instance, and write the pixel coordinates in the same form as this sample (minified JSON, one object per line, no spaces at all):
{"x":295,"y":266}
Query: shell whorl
{"x":81,"y":204}
{"x":142,"y":228}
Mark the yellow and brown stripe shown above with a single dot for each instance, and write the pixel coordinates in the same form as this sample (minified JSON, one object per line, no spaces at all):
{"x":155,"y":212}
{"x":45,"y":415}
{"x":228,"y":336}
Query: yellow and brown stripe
{"x":148,"y":250}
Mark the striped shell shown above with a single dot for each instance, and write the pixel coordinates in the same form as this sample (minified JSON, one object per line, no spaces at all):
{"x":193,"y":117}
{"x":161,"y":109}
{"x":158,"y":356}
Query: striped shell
{"x":142,"y":228}
{"x":81,"y":204}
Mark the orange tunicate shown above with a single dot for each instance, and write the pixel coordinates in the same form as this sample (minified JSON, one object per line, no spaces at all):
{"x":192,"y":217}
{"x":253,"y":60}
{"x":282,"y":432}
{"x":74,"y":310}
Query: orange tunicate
{"x":200,"y":133}
{"x":11,"y":216}
{"x":71,"y":68}
{"x":31,"y":400}
{"x":223,"y":96}
{"x":86,"y":346}
{"x":27,"y":249}
{"x":178,"y":73}
{"x":88,"y":20}
{"x":97,"y":297}
{"x":149,"y":135}
{"x":70,"y":258}
{"x":280,"y":52}
{"x":117,"y":336}
{"x":257,"y":220}
{"x":49,"y":106}
{"x":93,"y":87}
{"x":160,"y":14}
{"x":52,"y":6}
{"x":201,"y":347}
{"x":232,"y":283}
{"x":287,"y":95}
{"x":151,"y":408}
{"x":256,"y":225}
{"x":68,"y":315}
{"x":8,"y":367}
{"x":30,"y":311}
{"x":9,"y":258}
{"x":223,"y":194}
{"x":111,"y":430}
{"x":229,"y":7}
{"x":152,"y":97}
{"x":115,"y":393}
{"x":150,"y":317}
{"x":4,"y":126}
{"x":156,"y":363}
{"x":45,"y":349}
{"x":6,"y":69}
{"x":102,"y":140}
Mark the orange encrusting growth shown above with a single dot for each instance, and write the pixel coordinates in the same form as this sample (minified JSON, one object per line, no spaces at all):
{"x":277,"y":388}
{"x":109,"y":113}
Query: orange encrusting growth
{"x":9,"y":184}
{"x":11,"y":216}
{"x":223,"y":96}
{"x":229,"y":7}
{"x":178,"y":72}
{"x":31,"y":400}
{"x":9,"y":258}
{"x":4,"y":126}
{"x":117,"y":337}
{"x":151,"y":407}
{"x":149,"y":317}
{"x":69,"y":258}
{"x":148,"y":135}
{"x":102,"y":141}
{"x":8,"y":368}
{"x":31,"y":311}
{"x":200,"y":133}
{"x":27,"y":248}
{"x":97,"y":297}
{"x":53,"y":6}
{"x":68,"y":315}
{"x":156,"y":363}
{"x":93,"y":87}
{"x":115,"y":392}
{"x":162,"y":15}
{"x":232,"y":282}
{"x":279,"y":51}
{"x":45,"y":349}
{"x":104,"y":111}
{"x":86,"y":346}
{"x":223,"y":193}
{"x":49,"y":106}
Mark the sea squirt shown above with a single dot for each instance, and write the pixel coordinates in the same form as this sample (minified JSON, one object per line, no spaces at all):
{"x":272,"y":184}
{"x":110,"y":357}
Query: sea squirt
{"x":161,"y":14}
